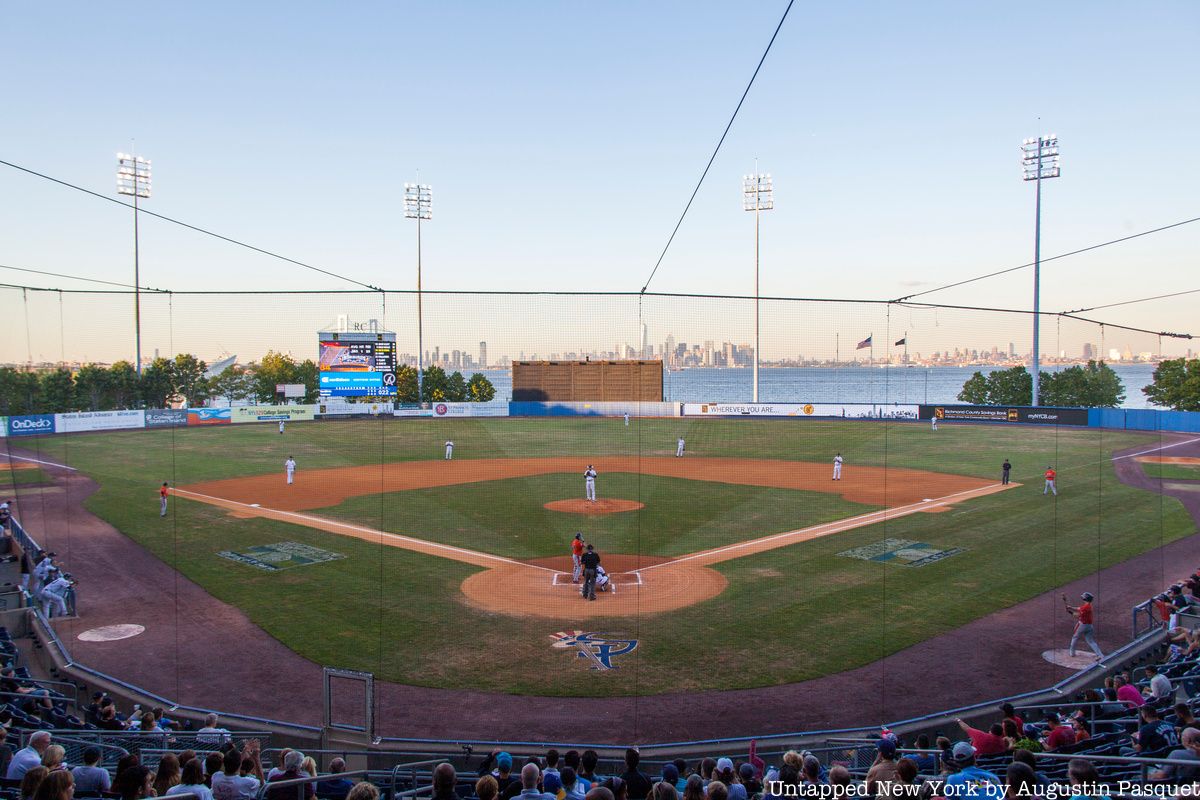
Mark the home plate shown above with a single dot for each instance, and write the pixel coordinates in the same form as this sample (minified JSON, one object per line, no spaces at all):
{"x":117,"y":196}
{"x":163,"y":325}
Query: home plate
{"x":1063,"y":658}
{"x":111,"y":633}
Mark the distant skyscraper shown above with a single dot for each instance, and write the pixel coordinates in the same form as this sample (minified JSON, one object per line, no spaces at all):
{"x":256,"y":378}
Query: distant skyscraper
{"x":645,"y":341}
{"x":1089,"y":352}
{"x":483,"y":362}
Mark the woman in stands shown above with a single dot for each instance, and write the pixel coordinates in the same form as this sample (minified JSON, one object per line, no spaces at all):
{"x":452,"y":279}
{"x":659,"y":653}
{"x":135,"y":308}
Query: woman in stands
{"x":134,"y":783}
{"x":33,"y":778}
{"x":192,"y":781}
{"x":167,"y":775}
{"x":57,"y":786}
{"x":309,"y":766}
{"x":53,"y":758}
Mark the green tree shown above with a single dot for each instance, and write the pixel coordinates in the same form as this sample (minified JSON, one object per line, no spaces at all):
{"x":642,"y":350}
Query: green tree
{"x":274,"y":368}
{"x":123,"y":384}
{"x":1176,"y":385}
{"x":406,"y":384}
{"x":187,"y":377}
{"x":20,"y":392}
{"x":456,"y":387}
{"x":435,"y":385}
{"x":233,"y":384}
{"x":1093,"y":386}
{"x":58,"y":391}
{"x":309,"y":374}
{"x":1003,"y":387}
{"x":480,"y":389}
{"x":158,"y":384}
{"x":92,"y":389}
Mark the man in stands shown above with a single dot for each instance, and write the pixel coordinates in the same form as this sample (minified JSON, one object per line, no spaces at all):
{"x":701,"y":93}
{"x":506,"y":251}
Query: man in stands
{"x":883,"y":772}
{"x":600,"y":793}
{"x":638,"y":783}
{"x":1057,"y":734}
{"x":503,"y":771}
{"x":1011,"y":713}
{"x":240,"y":775}
{"x":444,"y":780}
{"x":291,"y":771}
{"x":1128,"y":693}
{"x":1160,"y":688}
{"x":90,"y":778}
{"x":572,"y":789}
{"x":970,"y":780}
{"x":529,"y":783}
{"x":29,"y":756}
{"x":986,"y":743}
{"x":1154,"y":735}
{"x":551,"y":763}
{"x":212,"y":735}
{"x":37,"y":695}
{"x":1190,"y":752}
{"x":586,"y":772}
{"x":334,"y":788}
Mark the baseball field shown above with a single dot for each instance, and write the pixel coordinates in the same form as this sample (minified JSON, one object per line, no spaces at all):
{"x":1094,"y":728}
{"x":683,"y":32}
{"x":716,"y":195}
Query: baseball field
{"x":741,"y":564}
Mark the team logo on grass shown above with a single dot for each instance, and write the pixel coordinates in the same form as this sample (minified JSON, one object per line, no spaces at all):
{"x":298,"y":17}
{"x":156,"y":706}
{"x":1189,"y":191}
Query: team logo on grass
{"x":902,"y":551}
{"x":284,"y":555}
{"x":598,"y":648}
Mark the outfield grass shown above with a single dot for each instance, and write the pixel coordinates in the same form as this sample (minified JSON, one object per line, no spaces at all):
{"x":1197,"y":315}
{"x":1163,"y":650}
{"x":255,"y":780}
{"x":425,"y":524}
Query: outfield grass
{"x":787,"y":615}
{"x":10,"y":479}
{"x":1172,"y":471}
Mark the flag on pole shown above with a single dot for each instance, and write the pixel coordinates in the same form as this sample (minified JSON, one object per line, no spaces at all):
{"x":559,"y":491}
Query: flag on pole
{"x":864,"y":343}
{"x":902,"y":342}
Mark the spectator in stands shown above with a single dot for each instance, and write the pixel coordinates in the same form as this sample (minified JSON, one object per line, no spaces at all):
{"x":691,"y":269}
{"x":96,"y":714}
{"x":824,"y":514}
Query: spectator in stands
{"x":638,"y":784}
{"x":709,"y":765}
{"x":662,"y":791}
{"x":56,"y":786}
{"x":883,"y":770}
{"x":1153,"y":736}
{"x":1026,"y":757}
{"x":1159,"y":688}
{"x":9,"y":682}
{"x":839,"y":776}
{"x":693,"y":788}
{"x":748,"y":778}
{"x":192,"y":781}
{"x":6,"y":752}
{"x":211,"y":734}
{"x":986,"y":743}
{"x":309,"y":767}
{"x":108,"y":719}
{"x":1079,"y":726}
{"x":681,"y":769}
{"x":670,"y":774}
{"x":570,"y":785}
{"x":231,"y":783}
{"x":279,"y":759}
{"x":588,"y":760}
{"x":31,"y":780}
{"x":1083,"y":777}
{"x":167,"y":775}
{"x":600,"y":793}
{"x":291,"y":771}
{"x":503,"y":771}
{"x":1178,"y":599}
{"x":1020,"y":782}
{"x":29,"y":756}
{"x":907,"y":784}
{"x":444,"y":779}
{"x":53,"y":758}
{"x":1161,"y":609}
{"x":1183,"y":717}
{"x":1127,"y":693}
{"x":552,"y":785}
{"x":213,"y":764}
{"x":926,"y":762}
{"x":1057,"y":735}
{"x":717,"y":791}
{"x":530,"y":775}
{"x":970,"y":780}
{"x":1011,"y":713}
{"x":364,"y":791}
{"x":1189,"y":752}
{"x":551,"y":763}
{"x":334,"y":788}
{"x":485,"y":788}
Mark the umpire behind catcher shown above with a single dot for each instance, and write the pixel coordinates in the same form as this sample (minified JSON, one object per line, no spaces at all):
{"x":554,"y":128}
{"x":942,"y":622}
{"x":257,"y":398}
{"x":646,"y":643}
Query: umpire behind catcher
{"x":590,"y":560}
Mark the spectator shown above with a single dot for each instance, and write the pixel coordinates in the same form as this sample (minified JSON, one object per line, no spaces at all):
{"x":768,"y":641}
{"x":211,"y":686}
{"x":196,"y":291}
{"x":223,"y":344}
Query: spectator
{"x":9,"y":682}
{"x":638,"y":784}
{"x":90,"y":778}
{"x":717,"y":791}
{"x":1020,"y":782}
{"x":6,"y":752}
{"x":31,"y":780}
{"x":551,"y":763}
{"x":1127,"y":693}
{"x":1159,"y":689}
{"x":29,"y":756}
{"x":724,"y":771}
{"x":926,"y":762}
{"x":309,"y":767}
{"x":279,"y":759}
{"x":192,"y":781}
{"x":108,"y":719}
{"x":167,"y":775}
{"x":839,"y":776}
{"x":364,"y":791}
{"x":709,"y":765}
{"x":670,"y":774}
{"x":749,"y":779}
{"x":291,"y":771}
{"x":134,"y":783}
{"x":1083,"y":777}
{"x":1161,"y":609}
{"x":883,"y":771}
{"x":1190,"y":752}
{"x":663,"y":791}
{"x":529,"y":783}
{"x":334,"y":788}
{"x":503,"y":772}
{"x":214,"y":763}
{"x":485,"y":788}
{"x":1181,"y":718}
{"x":600,"y":793}
{"x":231,"y":783}
{"x":211,"y":734}
{"x":587,"y":768}
{"x":1079,"y":728}
{"x":1057,"y":734}
{"x":693,"y":788}
{"x":1024,"y":756}
{"x":52,"y":759}
{"x":969,"y":780}
{"x":58,"y":785}
{"x":1154,"y":735}
{"x":1011,"y":713}
{"x":986,"y":743}
{"x":444,"y":780}
{"x":907,"y":784}
{"x":1178,"y":600}
{"x":570,"y":784}
{"x":810,"y":773}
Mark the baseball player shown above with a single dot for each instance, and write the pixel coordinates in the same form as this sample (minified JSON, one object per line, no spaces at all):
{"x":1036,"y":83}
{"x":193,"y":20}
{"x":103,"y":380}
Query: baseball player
{"x":449,"y":450}
{"x":603,"y":581}
{"x":837,"y":467}
{"x":281,"y":424}
{"x":626,"y":419}
{"x":933,"y":423}
{"x":1083,"y":624}
{"x":289,"y":467}
{"x":679,"y":448}
{"x":1051,"y":477}
{"x":576,"y":552}
{"x":589,"y":483}
{"x":55,"y":593}
{"x":162,"y":500}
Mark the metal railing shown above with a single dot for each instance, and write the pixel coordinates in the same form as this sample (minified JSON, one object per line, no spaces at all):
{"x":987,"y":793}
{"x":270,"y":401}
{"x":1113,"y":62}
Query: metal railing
{"x":300,"y":783}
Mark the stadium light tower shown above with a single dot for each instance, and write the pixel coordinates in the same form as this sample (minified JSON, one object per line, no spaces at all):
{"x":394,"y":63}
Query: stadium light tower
{"x":758,"y":195}
{"x":133,"y":178}
{"x":1039,"y":161}
{"x":418,"y":205}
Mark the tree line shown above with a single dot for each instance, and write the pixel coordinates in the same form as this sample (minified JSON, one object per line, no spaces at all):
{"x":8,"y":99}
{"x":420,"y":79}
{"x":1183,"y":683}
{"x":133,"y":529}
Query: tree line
{"x":1176,"y":385}
{"x":165,"y":382}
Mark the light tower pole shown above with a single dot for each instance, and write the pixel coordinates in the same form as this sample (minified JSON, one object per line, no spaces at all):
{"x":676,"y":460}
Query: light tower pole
{"x":1039,"y":161}
{"x":418,"y":205}
{"x":133,"y":178}
{"x":758,"y":195}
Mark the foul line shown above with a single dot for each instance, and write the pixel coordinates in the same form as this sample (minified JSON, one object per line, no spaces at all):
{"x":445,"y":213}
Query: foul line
{"x":829,"y":528}
{"x":323,"y":523}
{"x":11,"y":456}
{"x":1157,"y":449}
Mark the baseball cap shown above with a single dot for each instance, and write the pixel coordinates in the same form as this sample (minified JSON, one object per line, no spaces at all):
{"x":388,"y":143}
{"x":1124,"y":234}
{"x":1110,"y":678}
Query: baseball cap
{"x":962,"y":752}
{"x":551,"y":783}
{"x":1087,"y":596}
{"x":504,"y":761}
{"x":579,"y":536}
{"x":887,"y":747}
{"x":746,"y":771}
{"x":670,"y":773}
{"x":724,"y":765}
{"x":737,"y":791}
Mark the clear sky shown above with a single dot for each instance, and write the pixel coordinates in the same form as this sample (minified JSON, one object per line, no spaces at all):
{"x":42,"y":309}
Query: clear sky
{"x":562,"y":141}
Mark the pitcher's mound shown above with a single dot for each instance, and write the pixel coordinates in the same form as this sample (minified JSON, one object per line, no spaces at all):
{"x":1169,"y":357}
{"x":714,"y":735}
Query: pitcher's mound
{"x":594,"y":507}
{"x":1081,"y":660}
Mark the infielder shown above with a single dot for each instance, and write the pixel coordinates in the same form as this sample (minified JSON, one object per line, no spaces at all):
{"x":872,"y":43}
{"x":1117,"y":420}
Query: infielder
{"x":289,"y":467}
{"x":837,"y":467}
{"x":589,"y":483}
{"x":626,"y":419}
{"x":576,"y":552}
{"x":1051,"y":476}
{"x":162,"y":500}
{"x":449,"y":450}
{"x":1083,"y":624}
{"x":679,"y":448}
{"x":281,"y":424}
{"x":933,"y":422}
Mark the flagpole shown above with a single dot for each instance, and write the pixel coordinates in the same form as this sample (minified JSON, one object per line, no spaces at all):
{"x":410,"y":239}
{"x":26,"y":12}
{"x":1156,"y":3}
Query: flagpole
{"x":904,"y":366}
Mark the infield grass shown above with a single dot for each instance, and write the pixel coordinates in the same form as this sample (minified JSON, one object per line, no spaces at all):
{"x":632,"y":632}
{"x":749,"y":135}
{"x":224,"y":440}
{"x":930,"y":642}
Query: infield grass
{"x":1172,"y":471}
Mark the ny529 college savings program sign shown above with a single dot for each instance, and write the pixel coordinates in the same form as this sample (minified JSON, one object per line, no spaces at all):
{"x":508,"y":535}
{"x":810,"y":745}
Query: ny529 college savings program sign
{"x":31,"y":425}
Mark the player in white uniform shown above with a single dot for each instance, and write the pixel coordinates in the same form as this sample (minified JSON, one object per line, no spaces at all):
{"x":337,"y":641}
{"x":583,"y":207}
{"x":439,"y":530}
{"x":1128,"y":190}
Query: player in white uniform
{"x":589,"y":483}
{"x":54,"y":594}
{"x":289,"y":467}
{"x":626,"y":419}
{"x":837,"y":467}
{"x":933,"y":422}
{"x":449,"y":450}
{"x":679,"y":448}
{"x":603,"y":581}
{"x":281,"y":424}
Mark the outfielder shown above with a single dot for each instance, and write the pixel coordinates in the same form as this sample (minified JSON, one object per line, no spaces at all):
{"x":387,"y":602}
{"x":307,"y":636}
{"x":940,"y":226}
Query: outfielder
{"x":1051,"y":477}
{"x":1083,"y":624}
{"x":679,"y":448}
{"x":162,"y":500}
{"x":449,"y":450}
{"x":837,"y":467}
{"x":576,"y":552}
{"x":589,"y":484}
{"x":289,"y":467}
{"x":281,"y":424}
{"x":933,"y":422}
{"x":626,"y":419}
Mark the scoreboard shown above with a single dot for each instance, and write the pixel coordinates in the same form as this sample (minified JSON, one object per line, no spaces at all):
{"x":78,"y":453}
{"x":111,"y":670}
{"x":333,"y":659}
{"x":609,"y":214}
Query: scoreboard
{"x":357,"y":364}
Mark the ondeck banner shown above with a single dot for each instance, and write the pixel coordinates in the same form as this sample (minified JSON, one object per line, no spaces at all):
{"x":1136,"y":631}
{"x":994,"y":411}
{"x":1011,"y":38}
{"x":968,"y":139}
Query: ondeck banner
{"x":209,"y":416}
{"x":335,"y":407}
{"x":839,"y":410}
{"x":165,"y":417}
{"x":31,"y":425}
{"x":470,"y":409}
{"x":99,"y":421}
{"x":272,"y":413}
{"x":1027,"y":415}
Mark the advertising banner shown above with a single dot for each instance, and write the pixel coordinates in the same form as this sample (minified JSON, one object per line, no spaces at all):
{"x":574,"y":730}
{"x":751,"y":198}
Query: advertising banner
{"x":272,"y":413}
{"x":839,"y":410}
{"x":165,"y":417}
{"x":357,"y":384}
{"x":291,"y":391}
{"x":412,"y":411}
{"x":209,"y":416}
{"x":336,"y":407}
{"x":98,"y":421}
{"x":3,"y":427}
{"x":1014,"y":414}
{"x":470,"y":409}
{"x":31,"y":425}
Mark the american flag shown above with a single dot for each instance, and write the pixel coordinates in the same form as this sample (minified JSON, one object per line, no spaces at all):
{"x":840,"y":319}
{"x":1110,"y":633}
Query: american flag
{"x":864,"y":343}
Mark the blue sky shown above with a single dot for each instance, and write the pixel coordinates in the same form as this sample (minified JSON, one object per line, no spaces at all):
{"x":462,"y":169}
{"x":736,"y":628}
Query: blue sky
{"x":562,"y":141}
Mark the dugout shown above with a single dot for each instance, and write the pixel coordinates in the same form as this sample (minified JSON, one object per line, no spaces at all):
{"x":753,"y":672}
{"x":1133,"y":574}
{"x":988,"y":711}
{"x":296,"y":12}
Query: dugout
{"x":620,"y":381}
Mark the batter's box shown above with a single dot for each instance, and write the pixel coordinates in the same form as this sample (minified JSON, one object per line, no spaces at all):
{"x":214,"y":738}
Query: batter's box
{"x":619,"y":578}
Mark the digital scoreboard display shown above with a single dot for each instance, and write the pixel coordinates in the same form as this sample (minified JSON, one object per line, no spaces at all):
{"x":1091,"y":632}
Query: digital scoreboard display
{"x":357,"y":365}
